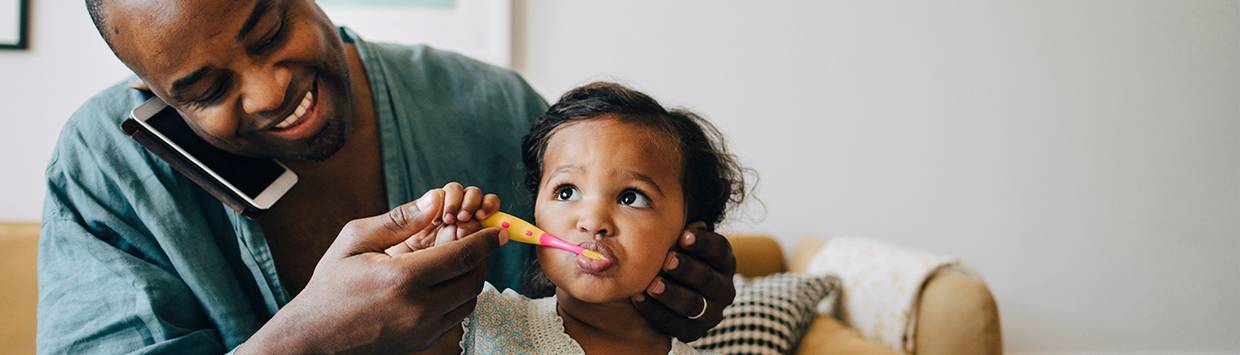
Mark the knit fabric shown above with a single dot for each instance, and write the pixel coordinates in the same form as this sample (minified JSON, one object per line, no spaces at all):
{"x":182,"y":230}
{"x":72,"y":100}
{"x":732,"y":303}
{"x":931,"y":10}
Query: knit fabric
{"x":509,"y":323}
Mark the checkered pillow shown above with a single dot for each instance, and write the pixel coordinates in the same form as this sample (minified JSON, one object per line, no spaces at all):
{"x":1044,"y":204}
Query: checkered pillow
{"x":769,"y":315}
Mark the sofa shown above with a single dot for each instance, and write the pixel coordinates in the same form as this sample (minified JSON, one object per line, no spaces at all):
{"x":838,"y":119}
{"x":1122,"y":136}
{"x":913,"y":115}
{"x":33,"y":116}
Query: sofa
{"x":957,"y":313}
{"x":18,"y":294}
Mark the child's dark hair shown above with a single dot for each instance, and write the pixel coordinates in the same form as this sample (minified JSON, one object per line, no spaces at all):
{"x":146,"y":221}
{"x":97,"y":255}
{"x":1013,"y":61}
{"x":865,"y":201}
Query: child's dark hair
{"x":713,"y":181}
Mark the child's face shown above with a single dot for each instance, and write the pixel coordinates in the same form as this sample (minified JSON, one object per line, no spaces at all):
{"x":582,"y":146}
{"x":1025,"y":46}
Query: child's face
{"x":613,"y":187}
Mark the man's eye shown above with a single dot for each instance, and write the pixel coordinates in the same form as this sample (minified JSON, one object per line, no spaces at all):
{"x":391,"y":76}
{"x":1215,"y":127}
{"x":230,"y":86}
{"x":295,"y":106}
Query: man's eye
{"x":266,"y":44}
{"x":212,"y":95}
{"x":271,"y":41}
{"x":567,"y":193}
{"x":634,"y":199}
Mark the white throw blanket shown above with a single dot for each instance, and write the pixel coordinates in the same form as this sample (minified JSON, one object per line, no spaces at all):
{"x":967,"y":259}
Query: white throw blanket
{"x":882,"y":284}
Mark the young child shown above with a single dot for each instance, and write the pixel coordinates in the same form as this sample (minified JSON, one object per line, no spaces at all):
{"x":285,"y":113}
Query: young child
{"x":615,"y":172}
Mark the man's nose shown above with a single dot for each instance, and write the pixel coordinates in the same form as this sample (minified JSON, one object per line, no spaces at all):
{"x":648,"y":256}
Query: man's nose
{"x":594,"y":218}
{"x":263,"y":90}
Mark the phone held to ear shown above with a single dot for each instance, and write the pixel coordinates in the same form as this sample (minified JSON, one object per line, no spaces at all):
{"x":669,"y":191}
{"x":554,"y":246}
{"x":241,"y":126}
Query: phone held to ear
{"x":248,"y":185}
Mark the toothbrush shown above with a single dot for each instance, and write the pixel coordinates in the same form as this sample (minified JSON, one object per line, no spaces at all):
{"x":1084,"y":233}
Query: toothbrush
{"x":522,"y":231}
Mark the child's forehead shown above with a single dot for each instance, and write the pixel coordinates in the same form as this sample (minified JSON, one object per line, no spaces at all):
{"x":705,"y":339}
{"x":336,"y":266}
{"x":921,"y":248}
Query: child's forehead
{"x":611,"y":143}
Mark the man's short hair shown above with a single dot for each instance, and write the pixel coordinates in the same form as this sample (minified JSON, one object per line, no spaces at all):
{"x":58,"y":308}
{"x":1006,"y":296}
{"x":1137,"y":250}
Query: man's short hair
{"x":95,"y":9}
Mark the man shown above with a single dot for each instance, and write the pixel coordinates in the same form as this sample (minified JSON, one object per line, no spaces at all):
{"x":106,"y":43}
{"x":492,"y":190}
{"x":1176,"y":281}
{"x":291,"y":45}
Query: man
{"x":134,"y":257}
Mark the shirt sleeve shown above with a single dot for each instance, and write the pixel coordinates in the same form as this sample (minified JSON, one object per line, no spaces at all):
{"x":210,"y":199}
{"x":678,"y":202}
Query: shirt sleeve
{"x":105,"y":286}
{"x":95,"y":297}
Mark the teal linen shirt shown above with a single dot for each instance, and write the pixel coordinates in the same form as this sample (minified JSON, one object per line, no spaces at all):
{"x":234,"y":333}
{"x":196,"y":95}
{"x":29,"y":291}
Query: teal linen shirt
{"x":135,"y":257}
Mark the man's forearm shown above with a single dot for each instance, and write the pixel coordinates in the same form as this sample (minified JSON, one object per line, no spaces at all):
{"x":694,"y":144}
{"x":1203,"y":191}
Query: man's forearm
{"x":280,"y":335}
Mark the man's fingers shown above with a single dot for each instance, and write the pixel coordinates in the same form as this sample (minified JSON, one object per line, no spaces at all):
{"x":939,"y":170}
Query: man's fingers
{"x":418,"y":241}
{"x":669,"y":311}
{"x":470,"y":204}
{"x":378,"y":233}
{"x":661,"y":317}
{"x":679,"y":299}
{"x":453,"y":192}
{"x":490,"y":205}
{"x":709,"y":247}
{"x":445,"y":262}
{"x":704,"y":262}
{"x":696,"y":275}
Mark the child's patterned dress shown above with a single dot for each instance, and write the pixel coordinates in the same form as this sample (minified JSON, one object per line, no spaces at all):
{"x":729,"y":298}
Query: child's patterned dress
{"x":509,"y":323}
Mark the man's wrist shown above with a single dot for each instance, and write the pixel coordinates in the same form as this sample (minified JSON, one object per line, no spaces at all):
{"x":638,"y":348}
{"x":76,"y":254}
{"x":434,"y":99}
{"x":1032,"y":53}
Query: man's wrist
{"x":279,"y":335}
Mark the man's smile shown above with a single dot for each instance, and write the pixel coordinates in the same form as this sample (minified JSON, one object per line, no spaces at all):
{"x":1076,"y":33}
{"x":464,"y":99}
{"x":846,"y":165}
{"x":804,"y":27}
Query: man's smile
{"x":304,"y":120}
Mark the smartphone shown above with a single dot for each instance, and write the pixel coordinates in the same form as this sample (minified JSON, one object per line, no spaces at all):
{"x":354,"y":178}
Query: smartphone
{"x":248,"y":185}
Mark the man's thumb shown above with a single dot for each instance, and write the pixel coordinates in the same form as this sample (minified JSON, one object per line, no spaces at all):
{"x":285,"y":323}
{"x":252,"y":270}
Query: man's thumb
{"x":374,"y":234}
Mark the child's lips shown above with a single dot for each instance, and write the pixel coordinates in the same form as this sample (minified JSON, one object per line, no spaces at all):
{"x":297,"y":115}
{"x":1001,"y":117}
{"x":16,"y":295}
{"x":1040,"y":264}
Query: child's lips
{"x":596,"y":266}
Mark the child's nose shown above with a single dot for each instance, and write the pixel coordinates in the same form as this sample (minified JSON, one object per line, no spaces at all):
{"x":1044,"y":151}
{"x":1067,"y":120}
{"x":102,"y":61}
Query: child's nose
{"x":595,"y":220}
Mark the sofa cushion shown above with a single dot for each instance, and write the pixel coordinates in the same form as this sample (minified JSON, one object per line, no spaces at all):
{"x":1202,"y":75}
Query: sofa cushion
{"x":18,"y":286}
{"x":769,"y":315}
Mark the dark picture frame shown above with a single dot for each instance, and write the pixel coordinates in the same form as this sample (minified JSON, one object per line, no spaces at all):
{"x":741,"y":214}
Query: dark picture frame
{"x":23,"y":25}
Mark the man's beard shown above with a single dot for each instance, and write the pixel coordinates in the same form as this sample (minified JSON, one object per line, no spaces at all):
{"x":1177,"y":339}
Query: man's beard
{"x":335,"y":133}
{"x":328,"y":141}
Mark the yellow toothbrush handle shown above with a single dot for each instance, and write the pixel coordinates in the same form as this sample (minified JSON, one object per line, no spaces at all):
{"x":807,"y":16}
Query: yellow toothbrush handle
{"x":522,"y":231}
{"x":518,"y":229}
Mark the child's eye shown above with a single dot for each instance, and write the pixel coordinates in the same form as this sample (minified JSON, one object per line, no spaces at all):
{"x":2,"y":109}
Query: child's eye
{"x":567,"y":193}
{"x":635,"y":199}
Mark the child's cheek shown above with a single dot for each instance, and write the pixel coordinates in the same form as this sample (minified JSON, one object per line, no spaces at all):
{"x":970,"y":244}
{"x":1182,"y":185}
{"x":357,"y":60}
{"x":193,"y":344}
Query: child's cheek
{"x":645,"y":262}
{"x":556,"y":265}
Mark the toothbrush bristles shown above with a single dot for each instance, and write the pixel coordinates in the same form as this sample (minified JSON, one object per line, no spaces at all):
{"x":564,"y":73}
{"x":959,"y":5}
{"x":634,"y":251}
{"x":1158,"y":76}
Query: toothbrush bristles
{"x":593,"y":254}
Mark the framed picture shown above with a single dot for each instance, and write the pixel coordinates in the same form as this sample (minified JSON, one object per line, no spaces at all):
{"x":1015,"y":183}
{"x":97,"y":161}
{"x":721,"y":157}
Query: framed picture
{"x":480,"y":29}
{"x":13,"y":24}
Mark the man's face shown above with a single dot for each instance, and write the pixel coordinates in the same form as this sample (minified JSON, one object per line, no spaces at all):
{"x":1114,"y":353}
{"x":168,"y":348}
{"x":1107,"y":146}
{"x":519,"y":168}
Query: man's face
{"x":261,"y":78}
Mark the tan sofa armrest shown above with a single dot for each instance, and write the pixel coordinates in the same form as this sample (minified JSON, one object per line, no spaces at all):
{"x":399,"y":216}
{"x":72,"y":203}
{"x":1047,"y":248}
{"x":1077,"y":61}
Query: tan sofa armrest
{"x":957,"y":316}
{"x":826,"y":336}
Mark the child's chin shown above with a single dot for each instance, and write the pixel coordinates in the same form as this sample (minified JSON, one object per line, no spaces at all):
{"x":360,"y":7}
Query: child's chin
{"x":598,"y":290}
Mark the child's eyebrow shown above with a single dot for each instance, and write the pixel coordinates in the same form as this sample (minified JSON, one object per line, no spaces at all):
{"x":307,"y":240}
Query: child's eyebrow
{"x":645,"y":178}
{"x":562,"y":169}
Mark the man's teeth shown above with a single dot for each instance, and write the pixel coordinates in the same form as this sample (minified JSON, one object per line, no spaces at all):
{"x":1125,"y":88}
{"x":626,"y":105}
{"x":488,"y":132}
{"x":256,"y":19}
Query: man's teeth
{"x":301,"y":110}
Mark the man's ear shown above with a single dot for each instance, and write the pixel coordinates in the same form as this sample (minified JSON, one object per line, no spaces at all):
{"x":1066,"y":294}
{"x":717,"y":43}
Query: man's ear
{"x":139,"y":84}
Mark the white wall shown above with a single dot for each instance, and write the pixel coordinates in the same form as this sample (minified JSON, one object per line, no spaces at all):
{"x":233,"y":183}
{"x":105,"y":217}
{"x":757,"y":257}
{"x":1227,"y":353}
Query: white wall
{"x":1083,"y":155}
{"x":478,"y":28}
{"x":40,"y":87}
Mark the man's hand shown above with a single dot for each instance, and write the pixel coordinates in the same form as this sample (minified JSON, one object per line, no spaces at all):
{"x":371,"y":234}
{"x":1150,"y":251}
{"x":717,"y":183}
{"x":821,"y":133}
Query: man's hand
{"x":464,"y":208}
{"x":361,"y":299}
{"x":699,"y":270}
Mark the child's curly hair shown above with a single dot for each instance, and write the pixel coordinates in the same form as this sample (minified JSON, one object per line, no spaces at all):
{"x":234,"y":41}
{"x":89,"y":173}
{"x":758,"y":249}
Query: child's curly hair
{"x":713,"y":181}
